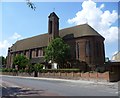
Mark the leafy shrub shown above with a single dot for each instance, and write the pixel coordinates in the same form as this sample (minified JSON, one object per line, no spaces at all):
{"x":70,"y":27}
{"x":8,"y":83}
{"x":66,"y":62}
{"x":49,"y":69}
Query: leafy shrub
{"x":21,"y":71}
{"x":0,"y":69}
{"x":100,"y":70}
{"x":30,"y":68}
{"x":21,"y":61}
{"x":4,"y":70}
{"x":38,"y":67}
{"x":14,"y":70}
{"x":9,"y":70}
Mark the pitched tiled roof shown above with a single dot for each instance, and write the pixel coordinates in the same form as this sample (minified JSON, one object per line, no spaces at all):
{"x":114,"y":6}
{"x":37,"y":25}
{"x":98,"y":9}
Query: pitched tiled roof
{"x":79,"y":31}
{"x":32,"y":42}
{"x":42,"y":40}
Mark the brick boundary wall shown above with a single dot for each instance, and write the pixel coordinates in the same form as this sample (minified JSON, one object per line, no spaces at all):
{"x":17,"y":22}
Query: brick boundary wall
{"x":106,"y":76}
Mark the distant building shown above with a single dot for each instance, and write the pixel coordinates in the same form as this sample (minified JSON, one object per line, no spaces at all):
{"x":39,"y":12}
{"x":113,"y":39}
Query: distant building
{"x":85,"y":43}
{"x":116,"y":57}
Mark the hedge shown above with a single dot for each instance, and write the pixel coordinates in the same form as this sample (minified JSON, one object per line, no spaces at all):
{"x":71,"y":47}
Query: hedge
{"x":42,"y":70}
{"x":60,"y":70}
{"x":8,"y":70}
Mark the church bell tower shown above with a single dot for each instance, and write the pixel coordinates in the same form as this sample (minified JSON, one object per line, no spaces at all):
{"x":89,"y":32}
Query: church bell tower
{"x":53,"y":26}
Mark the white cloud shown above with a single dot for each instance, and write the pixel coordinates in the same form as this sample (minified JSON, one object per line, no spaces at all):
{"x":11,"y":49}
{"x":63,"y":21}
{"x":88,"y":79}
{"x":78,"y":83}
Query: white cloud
{"x":7,"y":43}
{"x":3,"y":47}
{"x":111,"y":34}
{"x":108,"y":17}
{"x":97,"y":18}
{"x":4,"y":44}
{"x":102,"y":6}
{"x":15,"y":36}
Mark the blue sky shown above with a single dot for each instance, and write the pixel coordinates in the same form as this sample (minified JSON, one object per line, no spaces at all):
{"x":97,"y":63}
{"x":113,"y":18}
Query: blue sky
{"x":19,"y":21}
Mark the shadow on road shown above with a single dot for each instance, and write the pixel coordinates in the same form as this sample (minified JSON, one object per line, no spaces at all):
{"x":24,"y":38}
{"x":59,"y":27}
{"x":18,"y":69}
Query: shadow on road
{"x":15,"y":91}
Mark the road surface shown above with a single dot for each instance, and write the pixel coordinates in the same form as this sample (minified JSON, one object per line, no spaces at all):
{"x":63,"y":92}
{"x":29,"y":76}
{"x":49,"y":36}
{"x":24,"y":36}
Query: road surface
{"x":18,"y":86}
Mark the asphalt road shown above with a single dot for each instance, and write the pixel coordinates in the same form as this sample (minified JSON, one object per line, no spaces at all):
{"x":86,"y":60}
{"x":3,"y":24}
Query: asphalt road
{"x":42,"y":87}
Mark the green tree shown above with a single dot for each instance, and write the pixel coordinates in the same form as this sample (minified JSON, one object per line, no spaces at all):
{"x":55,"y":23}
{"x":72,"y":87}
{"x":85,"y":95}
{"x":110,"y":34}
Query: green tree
{"x":2,"y":60}
{"x":21,"y":61}
{"x":30,"y":68}
{"x":31,"y":5}
{"x":38,"y":67}
{"x":57,"y":51}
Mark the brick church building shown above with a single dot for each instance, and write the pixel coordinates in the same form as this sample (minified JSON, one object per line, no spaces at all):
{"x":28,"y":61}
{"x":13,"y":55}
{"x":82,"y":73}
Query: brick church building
{"x":85,"y":43}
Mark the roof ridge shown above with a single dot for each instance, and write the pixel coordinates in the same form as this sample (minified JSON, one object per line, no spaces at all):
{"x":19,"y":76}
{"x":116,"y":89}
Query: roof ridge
{"x":95,"y":30}
{"x":33,"y":36}
{"x":73,"y":26}
{"x":47,"y":33}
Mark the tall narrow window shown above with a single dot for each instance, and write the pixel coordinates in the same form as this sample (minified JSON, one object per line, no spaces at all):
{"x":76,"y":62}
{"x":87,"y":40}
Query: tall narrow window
{"x":33,"y":53}
{"x":78,"y":50}
{"x":97,"y":48}
{"x":87,"y":48}
{"x":50,"y":27}
{"x":43,"y":53}
{"x":30,"y":54}
{"x":27,"y":54}
{"x":36,"y":52}
{"x":24,"y":53}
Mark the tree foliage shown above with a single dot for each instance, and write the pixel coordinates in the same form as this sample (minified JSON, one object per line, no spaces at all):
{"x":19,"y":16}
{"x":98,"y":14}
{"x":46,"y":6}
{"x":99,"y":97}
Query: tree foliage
{"x":2,"y":60}
{"x":57,"y":51}
{"x":30,"y":68}
{"x":31,"y":5}
{"x":21,"y":61}
{"x":38,"y":67}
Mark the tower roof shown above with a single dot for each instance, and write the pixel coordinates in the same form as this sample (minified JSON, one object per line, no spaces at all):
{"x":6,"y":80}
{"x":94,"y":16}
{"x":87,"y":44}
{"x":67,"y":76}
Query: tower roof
{"x":53,"y":15}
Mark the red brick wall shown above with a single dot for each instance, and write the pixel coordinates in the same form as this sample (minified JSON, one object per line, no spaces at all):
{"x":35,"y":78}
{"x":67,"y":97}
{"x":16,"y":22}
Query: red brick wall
{"x":96,"y":56}
{"x":107,"y":76}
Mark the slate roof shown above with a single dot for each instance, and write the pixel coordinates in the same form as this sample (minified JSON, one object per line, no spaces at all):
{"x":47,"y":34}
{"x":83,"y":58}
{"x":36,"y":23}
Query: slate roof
{"x":42,"y":40}
{"x":79,"y":31}
{"x":32,"y":42}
